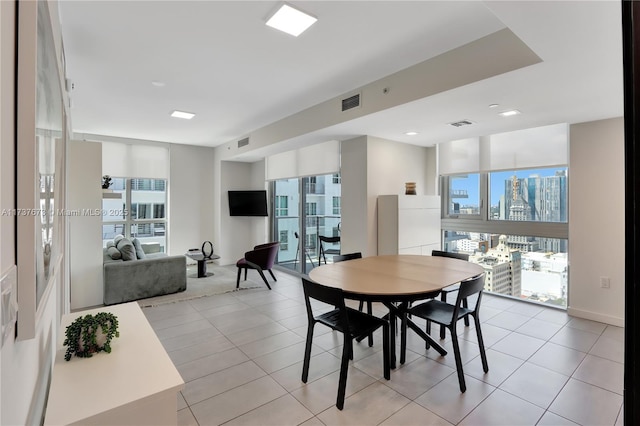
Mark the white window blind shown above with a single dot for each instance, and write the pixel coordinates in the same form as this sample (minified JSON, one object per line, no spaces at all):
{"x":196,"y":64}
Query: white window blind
{"x":460,"y":156}
{"x":545,"y":146}
{"x":314,"y":160}
{"x":132,"y":160}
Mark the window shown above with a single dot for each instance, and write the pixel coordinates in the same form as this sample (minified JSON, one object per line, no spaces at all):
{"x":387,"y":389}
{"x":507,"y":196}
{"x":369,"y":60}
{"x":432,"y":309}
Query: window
{"x":336,"y":205}
{"x":538,"y":195}
{"x":139,"y":213}
{"x":520,"y":238}
{"x":336,"y":178}
{"x":282,"y":205}
{"x":284,"y":240}
{"x":463,"y":195}
{"x":311,"y":209}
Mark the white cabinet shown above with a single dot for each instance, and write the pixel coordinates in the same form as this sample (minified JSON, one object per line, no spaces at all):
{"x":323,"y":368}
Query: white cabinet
{"x":135,"y":384}
{"x":408,"y":224}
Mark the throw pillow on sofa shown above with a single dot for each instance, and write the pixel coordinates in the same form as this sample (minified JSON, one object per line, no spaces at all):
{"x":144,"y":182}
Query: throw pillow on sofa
{"x":138,"y":246}
{"x":117,"y":238}
{"x":127,"y":250}
{"x":114,"y":253}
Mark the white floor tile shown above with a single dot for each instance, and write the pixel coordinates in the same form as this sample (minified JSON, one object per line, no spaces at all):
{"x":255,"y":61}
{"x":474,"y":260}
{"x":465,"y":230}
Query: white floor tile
{"x":586,"y":404}
{"x":503,"y":409}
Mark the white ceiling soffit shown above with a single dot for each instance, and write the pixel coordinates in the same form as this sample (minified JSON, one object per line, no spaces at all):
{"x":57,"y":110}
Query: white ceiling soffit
{"x":219,"y":60}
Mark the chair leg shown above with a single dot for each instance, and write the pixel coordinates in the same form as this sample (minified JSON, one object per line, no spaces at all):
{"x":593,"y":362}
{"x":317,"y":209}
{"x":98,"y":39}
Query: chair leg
{"x":361,"y":305}
{"x":264,"y":278}
{"x":310,"y":260}
{"x":238,"y":280}
{"x":370,"y":312}
{"x":466,"y":306}
{"x":245,"y":273}
{"x":385,"y":352}
{"x":443,"y":334}
{"x":427,"y":329}
{"x":307,"y":353}
{"x":273,"y":276}
{"x":483,"y":355}
{"x":403,"y":339}
{"x":456,"y":353}
{"x":344,"y":366}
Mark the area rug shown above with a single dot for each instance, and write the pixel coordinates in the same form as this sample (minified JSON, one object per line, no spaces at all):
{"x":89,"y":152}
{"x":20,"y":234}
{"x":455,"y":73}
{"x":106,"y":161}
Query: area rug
{"x":222,"y":281}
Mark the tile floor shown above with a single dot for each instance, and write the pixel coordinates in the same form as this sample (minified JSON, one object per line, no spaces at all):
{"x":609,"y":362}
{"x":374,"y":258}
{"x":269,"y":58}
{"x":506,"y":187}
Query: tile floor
{"x":240,"y":355}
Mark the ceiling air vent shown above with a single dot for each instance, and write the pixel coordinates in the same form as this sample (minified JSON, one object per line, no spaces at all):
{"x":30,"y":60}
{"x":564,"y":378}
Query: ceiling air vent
{"x":351,"y":102}
{"x":243,"y":142}
{"x":461,"y":123}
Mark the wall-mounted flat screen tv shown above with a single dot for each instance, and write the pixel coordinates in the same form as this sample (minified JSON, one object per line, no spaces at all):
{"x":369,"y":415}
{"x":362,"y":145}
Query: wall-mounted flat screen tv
{"x":248,"y":203}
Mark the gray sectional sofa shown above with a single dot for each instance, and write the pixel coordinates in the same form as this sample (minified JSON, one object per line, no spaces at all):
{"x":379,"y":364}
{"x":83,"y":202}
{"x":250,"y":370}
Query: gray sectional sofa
{"x":154,"y":275}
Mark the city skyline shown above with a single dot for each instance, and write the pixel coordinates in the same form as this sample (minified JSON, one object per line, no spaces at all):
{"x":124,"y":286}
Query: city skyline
{"x":496,"y":183}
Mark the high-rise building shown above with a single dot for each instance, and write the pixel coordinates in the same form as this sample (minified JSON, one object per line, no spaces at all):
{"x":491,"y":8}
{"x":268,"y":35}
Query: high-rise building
{"x":502,"y":266}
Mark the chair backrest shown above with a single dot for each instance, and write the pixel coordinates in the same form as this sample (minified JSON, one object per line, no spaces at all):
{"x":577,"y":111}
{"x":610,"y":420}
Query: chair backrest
{"x":329,"y":295}
{"x":469,"y":288}
{"x":329,"y":239}
{"x":440,"y":253}
{"x":347,"y":256}
{"x":263,"y":255}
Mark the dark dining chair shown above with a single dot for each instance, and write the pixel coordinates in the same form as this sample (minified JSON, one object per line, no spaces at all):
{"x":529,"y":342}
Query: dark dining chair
{"x":448,"y":315}
{"x":350,"y":256}
{"x":324,"y":251}
{"x":349,"y":322}
{"x":261,"y":258}
{"x":452,"y":288}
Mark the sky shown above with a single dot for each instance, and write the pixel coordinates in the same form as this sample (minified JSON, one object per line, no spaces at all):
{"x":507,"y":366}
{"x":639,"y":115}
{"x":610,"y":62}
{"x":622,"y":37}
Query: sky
{"x":471,"y":183}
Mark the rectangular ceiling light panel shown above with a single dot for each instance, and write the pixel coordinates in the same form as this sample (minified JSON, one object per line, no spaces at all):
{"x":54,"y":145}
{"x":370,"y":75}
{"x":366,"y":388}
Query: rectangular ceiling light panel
{"x":182,"y":114}
{"x":291,"y":21}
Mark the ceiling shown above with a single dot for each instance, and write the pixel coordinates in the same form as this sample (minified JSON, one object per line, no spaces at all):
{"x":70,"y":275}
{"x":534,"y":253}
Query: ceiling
{"x":219,"y":60}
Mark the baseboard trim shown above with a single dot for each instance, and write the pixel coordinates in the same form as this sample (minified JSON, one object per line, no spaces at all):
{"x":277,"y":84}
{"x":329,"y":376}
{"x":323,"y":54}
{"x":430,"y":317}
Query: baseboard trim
{"x":594,"y":316}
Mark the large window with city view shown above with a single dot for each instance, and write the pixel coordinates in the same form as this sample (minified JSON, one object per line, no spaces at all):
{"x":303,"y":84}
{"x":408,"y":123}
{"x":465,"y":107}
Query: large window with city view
{"x":305,"y":209}
{"x":513,"y":224}
{"x":138,"y":210}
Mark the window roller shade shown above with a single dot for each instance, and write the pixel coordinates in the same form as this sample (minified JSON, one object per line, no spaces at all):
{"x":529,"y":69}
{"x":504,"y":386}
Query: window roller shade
{"x":141,"y":161}
{"x":545,"y":146}
{"x":314,"y":160}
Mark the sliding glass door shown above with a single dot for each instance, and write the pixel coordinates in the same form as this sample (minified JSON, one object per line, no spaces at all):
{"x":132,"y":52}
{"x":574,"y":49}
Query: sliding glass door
{"x":304,"y":209}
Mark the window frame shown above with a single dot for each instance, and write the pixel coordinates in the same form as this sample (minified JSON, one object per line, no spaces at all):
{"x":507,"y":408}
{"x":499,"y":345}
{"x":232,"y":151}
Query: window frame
{"x":482,"y":223}
{"x":128,"y":222}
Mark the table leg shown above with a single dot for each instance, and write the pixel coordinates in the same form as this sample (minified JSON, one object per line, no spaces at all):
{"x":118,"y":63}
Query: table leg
{"x":202,"y":268}
{"x":426,"y":337}
{"x":398,"y":311}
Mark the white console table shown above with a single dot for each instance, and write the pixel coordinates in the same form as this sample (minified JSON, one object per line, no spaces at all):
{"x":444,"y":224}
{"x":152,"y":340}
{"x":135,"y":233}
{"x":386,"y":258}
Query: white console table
{"x":136,"y":384}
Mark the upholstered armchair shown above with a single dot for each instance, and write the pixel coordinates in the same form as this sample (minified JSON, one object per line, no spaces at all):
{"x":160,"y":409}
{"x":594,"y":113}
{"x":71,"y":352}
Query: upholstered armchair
{"x":261,"y":258}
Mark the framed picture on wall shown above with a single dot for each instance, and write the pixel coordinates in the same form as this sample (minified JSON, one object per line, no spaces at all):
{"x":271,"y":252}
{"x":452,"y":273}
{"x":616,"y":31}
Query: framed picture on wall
{"x":40,"y":133}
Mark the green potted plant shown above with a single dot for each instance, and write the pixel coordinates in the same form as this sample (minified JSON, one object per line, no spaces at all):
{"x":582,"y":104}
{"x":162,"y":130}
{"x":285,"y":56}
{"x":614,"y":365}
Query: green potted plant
{"x":90,"y":334}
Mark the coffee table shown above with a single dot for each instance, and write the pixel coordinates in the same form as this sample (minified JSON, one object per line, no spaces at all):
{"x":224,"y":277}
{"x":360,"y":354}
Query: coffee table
{"x":202,"y":262}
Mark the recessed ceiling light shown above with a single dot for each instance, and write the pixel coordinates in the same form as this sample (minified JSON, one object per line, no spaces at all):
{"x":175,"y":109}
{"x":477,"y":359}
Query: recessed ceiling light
{"x":509,"y":113}
{"x":411,"y":133}
{"x":493,"y":106}
{"x":158,"y":83}
{"x":290,"y":20}
{"x":182,"y":114}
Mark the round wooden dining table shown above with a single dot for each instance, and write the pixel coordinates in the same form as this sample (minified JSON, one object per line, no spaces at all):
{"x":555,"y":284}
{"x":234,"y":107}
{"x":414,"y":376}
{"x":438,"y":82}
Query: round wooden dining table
{"x":396,"y":280}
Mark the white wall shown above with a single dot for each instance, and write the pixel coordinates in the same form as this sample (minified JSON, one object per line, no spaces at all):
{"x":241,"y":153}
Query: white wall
{"x":191,"y":180}
{"x":596,"y":220}
{"x":370,"y":167}
{"x":25,"y":365}
{"x":354,"y":236}
{"x":84,"y":175}
{"x":238,"y":234}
